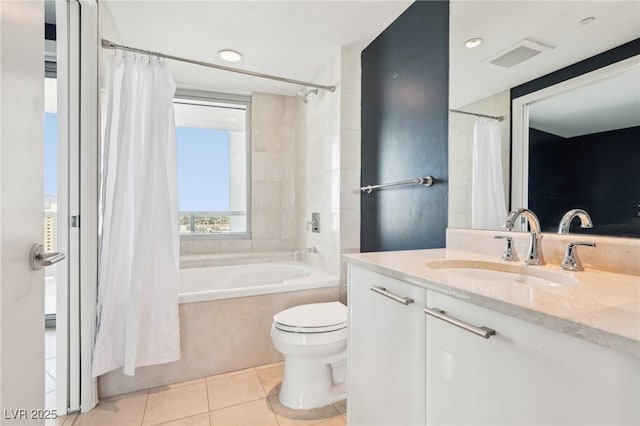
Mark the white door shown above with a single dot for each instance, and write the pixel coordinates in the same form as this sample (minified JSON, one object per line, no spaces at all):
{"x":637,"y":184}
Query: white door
{"x":21,"y":214}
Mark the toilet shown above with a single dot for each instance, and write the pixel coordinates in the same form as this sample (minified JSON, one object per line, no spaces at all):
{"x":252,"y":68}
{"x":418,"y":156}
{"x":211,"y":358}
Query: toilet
{"x":313,"y":340}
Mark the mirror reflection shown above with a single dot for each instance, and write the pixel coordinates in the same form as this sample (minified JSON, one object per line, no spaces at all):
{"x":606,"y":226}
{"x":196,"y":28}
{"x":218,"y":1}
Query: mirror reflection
{"x":515,"y":49}
{"x":583,"y":153}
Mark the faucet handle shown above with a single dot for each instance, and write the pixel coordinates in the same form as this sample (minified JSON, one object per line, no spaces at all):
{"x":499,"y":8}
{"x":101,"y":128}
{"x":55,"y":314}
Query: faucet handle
{"x":571,"y":261}
{"x":509,"y":253}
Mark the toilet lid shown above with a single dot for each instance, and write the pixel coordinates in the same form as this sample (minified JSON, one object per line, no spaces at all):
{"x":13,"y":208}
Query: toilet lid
{"x":312,"y":318}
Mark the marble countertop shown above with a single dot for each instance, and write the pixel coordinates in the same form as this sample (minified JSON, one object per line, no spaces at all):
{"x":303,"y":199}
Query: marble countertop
{"x":600,"y":307}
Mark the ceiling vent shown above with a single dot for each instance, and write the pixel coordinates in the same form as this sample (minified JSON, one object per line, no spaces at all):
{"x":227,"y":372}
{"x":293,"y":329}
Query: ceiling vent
{"x":516,"y":54}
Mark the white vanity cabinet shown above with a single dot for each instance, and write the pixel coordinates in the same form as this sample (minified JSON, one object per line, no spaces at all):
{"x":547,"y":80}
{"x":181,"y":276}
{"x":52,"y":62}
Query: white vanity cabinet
{"x":410,"y":368}
{"x":524,"y":374}
{"x":386,"y":382}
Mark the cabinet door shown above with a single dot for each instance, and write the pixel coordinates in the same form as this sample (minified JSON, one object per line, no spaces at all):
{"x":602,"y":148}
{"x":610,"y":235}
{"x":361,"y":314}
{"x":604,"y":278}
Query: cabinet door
{"x":525,"y":374}
{"x":386,"y":352}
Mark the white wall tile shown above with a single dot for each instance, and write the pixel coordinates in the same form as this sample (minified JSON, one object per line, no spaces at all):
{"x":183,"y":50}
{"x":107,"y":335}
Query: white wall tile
{"x":266,"y":166}
{"x":266,"y":108}
{"x":288,"y":195}
{"x":350,"y":149}
{"x":350,"y":229}
{"x":266,"y":225}
{"x":350,"y":69}
{"x":266,"y":245}
{"x":350,"y":109}
{"x":350,"y":185}
{"x":266,"y":195}
{"x":289,"y":220}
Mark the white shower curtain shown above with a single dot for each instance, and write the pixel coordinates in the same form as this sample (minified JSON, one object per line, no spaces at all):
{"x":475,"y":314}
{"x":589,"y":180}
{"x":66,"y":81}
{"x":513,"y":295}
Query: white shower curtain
{"x":488,"y":207}
{"x":137,"y":312}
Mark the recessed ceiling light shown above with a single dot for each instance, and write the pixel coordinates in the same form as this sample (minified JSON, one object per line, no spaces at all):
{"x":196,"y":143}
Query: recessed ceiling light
{"x":473,"y":42}
{"x":587,"y":21}
{"x":230,"y":55}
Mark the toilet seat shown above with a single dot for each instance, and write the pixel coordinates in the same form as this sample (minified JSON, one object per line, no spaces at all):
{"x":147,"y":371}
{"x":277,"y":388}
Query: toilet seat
{"x":312,"y":318}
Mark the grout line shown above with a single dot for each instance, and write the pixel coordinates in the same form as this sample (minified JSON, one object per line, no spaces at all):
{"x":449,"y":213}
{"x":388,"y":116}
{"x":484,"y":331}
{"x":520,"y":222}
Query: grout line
{"x":235,"y":405}
{"x":182,"y":418}
{"x":273,"y":412}
{"x":206,"y":386}
{"x":144,"y":412}
{"x":264,"y":389}
{"x":229,"y":374}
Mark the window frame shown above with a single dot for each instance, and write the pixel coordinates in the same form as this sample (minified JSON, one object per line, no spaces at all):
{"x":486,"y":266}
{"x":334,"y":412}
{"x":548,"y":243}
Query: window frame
{"x":225,"y":98}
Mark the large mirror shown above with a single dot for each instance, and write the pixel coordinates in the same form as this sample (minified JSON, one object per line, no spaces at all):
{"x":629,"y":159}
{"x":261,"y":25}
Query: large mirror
{"x":603,"y":105}
{"x":579,"y":146}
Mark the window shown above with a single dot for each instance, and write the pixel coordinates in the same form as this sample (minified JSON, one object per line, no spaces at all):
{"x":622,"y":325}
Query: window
{"x":212,"y":148}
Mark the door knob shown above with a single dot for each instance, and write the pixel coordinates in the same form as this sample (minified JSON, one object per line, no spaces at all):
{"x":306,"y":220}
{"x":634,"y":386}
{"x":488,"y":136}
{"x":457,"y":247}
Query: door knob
{"x":38,"y":259}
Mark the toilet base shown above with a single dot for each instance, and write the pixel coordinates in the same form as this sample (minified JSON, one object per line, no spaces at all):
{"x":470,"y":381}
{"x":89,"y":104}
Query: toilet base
{"x":307,"y":383}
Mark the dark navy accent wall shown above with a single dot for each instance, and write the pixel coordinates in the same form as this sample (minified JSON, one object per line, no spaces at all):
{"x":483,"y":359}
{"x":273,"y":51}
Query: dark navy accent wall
{"x":598,"y":173}
{"x":405,"y":98}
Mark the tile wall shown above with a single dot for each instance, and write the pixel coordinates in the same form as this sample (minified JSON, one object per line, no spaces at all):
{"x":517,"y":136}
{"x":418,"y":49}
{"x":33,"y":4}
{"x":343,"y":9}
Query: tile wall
{"x":328,"y":176}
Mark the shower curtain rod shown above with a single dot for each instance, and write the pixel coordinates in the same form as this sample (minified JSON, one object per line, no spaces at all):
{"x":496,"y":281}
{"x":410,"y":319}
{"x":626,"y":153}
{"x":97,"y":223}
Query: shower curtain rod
{"x":111,"y":45}
{"x":499,"y":117}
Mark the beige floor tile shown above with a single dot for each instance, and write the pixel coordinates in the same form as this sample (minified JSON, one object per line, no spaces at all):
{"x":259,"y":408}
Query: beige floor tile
{"x":271,"y":378}
{"x":254,"y":413}
{"x":69,"y":419}
{"x":121,"y":410}
{"x":287,"y":416}
{"x":61,"y":420}
{"x":233,"y":390}
{"x":178,"y":385}
{"x":344,"y":417}
{"x":230,"y":373}
{"x":173,"y":404}
{"x":336,"y":421}
{"x":275,"y":364}
{"x":341,"y":406}
{"x":199,"y":420}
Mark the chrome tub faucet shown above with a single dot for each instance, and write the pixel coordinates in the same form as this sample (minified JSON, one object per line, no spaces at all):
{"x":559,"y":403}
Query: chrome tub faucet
{"x":534,"y":256}
{"x":565,"y":222}
{"x":297,"y":253}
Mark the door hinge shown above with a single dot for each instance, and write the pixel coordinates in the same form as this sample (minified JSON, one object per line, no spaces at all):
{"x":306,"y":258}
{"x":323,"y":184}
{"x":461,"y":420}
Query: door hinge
{"x":75,"y":221}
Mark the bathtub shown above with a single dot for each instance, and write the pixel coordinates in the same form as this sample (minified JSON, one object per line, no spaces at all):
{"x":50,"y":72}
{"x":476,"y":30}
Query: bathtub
{"x":227,"y":282}
{"x":226,"y":314}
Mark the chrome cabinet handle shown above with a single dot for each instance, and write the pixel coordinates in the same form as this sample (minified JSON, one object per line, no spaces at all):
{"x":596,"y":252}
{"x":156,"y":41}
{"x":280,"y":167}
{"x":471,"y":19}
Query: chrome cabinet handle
{"x":38,"y":259}
{"x":383,"y":291}
{"x":478,"y":331}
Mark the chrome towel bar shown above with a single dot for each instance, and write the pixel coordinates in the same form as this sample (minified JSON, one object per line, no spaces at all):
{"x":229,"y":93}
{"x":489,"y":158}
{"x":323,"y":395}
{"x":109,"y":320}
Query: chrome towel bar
{"x":425,"y":181}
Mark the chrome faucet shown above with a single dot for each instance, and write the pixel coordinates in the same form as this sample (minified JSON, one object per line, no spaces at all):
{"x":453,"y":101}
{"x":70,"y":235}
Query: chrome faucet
{"x":509,"y":254}
{"x":297,"y":253}
{"x":565,"y":222}
{"x":571,"y":261}
{"x":534,"y":256}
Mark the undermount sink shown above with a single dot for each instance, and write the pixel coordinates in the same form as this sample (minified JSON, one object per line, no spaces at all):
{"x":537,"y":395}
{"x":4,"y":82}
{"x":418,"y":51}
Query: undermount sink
{"x":517,"y":273}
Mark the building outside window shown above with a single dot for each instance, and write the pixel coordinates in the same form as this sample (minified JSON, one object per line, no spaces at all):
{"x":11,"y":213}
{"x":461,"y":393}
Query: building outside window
{"x":212,"y":144}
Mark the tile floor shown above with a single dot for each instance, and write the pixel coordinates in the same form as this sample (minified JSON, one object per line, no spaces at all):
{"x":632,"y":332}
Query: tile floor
{"x":244,"y":398}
